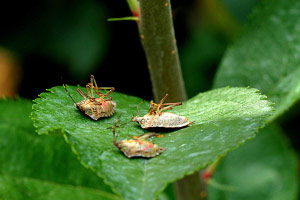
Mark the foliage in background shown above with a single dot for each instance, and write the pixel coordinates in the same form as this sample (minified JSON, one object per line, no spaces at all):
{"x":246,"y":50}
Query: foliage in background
{"x":72,"y":34}
{"x":211,"y":28}
{"x":265,"y":57}
{"x":263,"y":169}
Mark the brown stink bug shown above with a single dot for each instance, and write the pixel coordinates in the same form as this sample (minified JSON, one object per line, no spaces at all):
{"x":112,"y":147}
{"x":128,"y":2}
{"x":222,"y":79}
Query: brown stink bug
{"x":94,"y":107}
{"x":138,"y":146}
{"x":156,"y":118}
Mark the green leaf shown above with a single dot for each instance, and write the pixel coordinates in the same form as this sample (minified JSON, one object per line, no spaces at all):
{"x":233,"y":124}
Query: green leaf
{"x":12,"y":188}
{"x":263,"y":169}
{"x":33,"y":166}
{"x":223,"y":119}
{"x":267,"y":54}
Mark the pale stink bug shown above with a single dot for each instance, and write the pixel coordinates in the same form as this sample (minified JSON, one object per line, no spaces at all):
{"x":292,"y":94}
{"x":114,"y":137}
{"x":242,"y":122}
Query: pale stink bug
{"x":94,"y":107}
{"x":156,"y":118}
{"x":138,"y":146}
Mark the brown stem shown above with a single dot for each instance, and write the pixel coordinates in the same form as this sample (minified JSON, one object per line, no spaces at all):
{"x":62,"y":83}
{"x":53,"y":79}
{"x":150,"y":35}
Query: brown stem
{"x":158,"y":39}
{"x":191,"y":187}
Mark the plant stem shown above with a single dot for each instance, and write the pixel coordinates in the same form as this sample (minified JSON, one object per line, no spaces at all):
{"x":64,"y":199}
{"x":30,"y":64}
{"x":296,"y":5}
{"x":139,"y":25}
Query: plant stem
{"x":158,"y":39}
{"x":191,"y":187}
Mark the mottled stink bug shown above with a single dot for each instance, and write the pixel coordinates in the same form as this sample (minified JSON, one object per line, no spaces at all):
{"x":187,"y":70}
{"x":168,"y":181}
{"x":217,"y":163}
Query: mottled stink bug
{"x":93,"y":107}
{"x":156,"y":118}
{"x":138,"y":146}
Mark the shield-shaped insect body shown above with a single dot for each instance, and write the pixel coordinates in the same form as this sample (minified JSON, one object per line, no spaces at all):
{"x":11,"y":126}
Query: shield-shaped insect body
{"x":94,"y":107}
{"x":156,"y":118}
{"x":163,"y":120}
{"x":138,"y":146}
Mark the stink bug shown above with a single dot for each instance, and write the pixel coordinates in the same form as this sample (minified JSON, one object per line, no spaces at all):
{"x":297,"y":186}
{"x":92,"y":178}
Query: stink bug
{"x":138,"y":146}
{"x":94,"y":107}
{"x":156,"y":118}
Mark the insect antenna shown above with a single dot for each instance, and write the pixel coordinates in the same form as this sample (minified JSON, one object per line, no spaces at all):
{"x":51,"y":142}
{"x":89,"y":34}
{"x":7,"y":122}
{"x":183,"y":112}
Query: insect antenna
{"x":114,"y":131}
{"x":95,"y":88}
{"x":115,"y":124}
{"x":69,"y":94}
{"x":124,"y":123}
{"x":137,"y":107}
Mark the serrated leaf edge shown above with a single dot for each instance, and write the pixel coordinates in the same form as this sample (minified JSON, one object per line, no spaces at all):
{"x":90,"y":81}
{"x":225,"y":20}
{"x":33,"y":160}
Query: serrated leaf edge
{"x":73,"y":148}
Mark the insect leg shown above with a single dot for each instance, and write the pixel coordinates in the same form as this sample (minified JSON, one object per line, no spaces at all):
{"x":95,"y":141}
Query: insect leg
{"x":111,"y":90}
{"x":165,"y":105}
{"x":144,"y":136}
{"x":95,"y":86}
{"x":102,"y":95}
{"x":153,"y":107}
{"x":175,"y":104}
{"x":88,"y":87}
{"x":91,"y":85}
{"x":97,"y":91}
{"x":170,"y":106}
{"x":161,"y":102}
{"x":82,"y":94}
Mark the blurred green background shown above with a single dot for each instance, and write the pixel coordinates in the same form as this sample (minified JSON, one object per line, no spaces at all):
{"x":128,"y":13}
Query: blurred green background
{"x":70,"y":40}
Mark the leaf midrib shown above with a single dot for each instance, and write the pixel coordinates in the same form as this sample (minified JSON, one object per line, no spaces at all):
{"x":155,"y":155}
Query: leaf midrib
{"x":144,"y":180}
